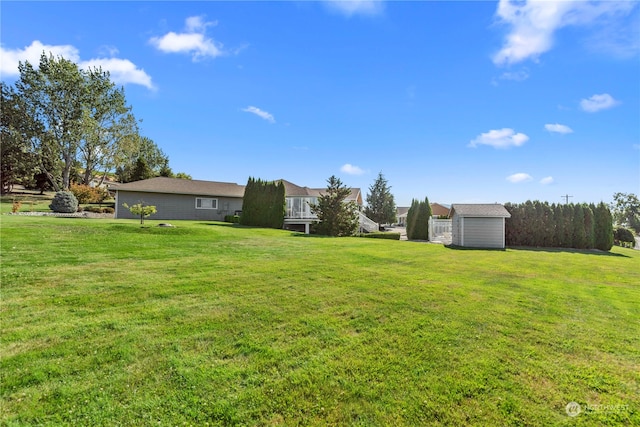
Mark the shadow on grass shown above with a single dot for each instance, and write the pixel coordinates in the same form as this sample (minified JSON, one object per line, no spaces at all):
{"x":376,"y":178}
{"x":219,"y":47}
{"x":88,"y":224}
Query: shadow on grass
{"x":236,"y":225}
{"x":465,"y":248}
{"x":596,"y":252}
{"x":311,"y":236}
{"x":226,"y":224}
{"x":150,"y":229}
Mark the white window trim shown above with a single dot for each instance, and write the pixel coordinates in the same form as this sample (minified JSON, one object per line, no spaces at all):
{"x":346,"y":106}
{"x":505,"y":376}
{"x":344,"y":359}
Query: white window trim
{"x":206,"y":198}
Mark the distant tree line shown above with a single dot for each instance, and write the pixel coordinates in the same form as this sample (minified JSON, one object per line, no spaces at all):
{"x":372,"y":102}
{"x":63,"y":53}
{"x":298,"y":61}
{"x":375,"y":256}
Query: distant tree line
{"x":61,"y":124}
{"x":263,"y":204}
{"x":580,"y":226}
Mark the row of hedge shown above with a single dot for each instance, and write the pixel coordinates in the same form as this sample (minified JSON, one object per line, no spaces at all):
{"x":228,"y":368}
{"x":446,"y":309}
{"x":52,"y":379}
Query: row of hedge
{"x":581,"y":226}
{"x":382,"y":235}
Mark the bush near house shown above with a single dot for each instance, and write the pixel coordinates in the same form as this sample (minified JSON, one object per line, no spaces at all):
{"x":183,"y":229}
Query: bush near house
{"x":88,"y":194}
{"x":235,"y":219}
{"x":98,"y":209}
{"x":263,"y":204}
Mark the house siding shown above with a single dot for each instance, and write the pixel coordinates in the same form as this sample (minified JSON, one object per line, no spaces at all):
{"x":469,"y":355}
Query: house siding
{"x":483,"y":232}
{"x":176,"y":206}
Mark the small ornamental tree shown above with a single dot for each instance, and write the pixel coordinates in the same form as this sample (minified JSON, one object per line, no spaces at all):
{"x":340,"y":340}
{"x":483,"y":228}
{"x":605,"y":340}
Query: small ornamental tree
{"x":142,"y":210}
{"x":64,"y":202}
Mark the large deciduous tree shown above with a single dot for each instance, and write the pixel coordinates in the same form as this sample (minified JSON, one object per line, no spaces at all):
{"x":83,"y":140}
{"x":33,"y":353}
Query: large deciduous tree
{"x":381,"y":206}
{"x":336,"y":215}
{"x":107,"y":124}
{"x":626,"y":210}
{"x":136,"y":149}
{"x":74,"y":121}
{"x":54,"y":97}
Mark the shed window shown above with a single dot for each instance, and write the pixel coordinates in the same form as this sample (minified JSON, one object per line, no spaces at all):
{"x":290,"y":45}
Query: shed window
{"x":205,"y":203}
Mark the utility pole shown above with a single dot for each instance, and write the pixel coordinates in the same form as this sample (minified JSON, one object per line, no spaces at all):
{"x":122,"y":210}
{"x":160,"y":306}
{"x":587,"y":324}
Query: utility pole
{"x":566,"y":198}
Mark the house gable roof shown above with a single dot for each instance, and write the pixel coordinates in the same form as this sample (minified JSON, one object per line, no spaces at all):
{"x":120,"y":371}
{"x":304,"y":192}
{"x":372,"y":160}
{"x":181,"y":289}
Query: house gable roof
{"x":436,"y":210}
{"x":439,"y":210}
{"x":480,"y":210}
{"x":184,"y":186}
{"x":293,"y":190}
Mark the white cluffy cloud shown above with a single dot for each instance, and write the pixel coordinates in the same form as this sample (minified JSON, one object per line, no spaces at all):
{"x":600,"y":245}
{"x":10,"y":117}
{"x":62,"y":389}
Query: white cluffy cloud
{"x":532,"y":24}
{"x":546,"y":180}
{"x":356,"y":7}
{"x":351,"y":169}
{"x":519,"y":177}
{"x":192,"y":41}
{"x":558,"y":128}
{"x":260,"y":113}
{"x":598,"y":102}
{"x":122,"y":71}
{"x":500,"y":138}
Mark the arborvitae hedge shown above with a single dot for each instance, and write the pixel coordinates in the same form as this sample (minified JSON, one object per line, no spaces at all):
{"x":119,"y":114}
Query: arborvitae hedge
{"x":418,"y":220}
{"x":411,"y":218}
{"x":263,"y":204}
{"x":579,"y":226}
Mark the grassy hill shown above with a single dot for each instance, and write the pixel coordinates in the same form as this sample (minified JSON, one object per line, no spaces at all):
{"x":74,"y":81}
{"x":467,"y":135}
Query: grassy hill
{"x":106,"y":323}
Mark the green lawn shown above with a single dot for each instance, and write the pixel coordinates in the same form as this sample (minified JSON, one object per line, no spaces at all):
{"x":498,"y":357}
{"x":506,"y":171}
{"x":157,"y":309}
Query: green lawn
{"x":107,"y":323}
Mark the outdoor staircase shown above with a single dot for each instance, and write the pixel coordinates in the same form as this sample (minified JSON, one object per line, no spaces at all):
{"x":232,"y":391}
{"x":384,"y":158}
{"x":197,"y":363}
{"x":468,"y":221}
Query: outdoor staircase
{"x":367,"y":225}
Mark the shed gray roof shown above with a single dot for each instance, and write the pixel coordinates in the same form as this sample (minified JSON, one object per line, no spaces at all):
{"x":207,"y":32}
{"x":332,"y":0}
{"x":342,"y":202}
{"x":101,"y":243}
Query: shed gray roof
{"x":480,"y":210}
{"x":184,"y":186}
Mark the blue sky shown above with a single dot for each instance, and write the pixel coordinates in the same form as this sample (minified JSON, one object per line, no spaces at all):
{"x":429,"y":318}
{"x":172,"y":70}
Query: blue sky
{"x":457,"y":101}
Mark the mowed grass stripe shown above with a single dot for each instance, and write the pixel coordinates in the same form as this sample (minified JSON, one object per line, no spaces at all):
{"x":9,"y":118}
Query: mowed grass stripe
{"x":104,"y":322}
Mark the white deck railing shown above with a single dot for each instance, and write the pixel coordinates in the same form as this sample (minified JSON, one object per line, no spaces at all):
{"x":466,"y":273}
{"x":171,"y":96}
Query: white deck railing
{"x":367,"y":224}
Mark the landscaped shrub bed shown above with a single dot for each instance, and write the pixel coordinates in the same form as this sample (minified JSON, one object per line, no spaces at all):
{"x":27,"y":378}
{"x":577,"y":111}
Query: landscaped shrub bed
{"x":98,"y":209}
{"x":382,"y":235}
{"x":235,"y":219}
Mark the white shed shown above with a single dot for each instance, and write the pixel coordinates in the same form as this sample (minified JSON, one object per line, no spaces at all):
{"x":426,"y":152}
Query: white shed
{"x":478,"y":225}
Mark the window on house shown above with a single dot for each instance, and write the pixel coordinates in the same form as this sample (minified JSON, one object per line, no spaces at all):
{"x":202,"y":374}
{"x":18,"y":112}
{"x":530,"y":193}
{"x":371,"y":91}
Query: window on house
{"x":205,"y":203}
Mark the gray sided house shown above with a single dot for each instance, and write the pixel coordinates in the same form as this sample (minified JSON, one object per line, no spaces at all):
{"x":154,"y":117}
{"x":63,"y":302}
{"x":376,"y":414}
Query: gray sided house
{"x":478,"y":225}
{"x":181,"y":198}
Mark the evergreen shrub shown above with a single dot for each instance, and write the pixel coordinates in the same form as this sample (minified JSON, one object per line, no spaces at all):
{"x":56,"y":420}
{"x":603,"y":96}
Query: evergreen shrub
{"x":64,"y":202}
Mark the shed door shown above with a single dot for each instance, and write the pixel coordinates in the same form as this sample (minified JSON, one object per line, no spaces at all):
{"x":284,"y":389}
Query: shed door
{"x":484,"y":232}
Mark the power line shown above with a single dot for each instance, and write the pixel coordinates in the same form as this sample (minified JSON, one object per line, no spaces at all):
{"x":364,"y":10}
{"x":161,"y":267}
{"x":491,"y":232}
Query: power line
{"x":566,"y":198}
